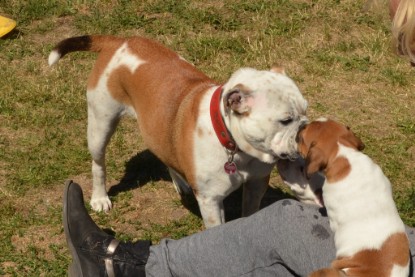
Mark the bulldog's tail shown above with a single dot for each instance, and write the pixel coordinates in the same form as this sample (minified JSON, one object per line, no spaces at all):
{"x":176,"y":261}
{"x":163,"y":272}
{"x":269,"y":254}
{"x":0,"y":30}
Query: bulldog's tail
{"x":83,"y":43}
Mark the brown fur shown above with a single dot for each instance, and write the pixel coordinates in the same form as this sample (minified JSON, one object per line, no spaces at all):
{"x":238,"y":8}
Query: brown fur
{"x":338,"y":170}
{"x":377,"y":263}
{"x":328,"y":272}
{"x":140,"y":77}
{"x":113,"y":43}
{"x":318,"y":144}
{"x":142,"y":91}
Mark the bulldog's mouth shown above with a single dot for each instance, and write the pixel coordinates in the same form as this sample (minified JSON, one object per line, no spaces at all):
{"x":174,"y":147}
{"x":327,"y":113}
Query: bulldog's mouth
{"x":286,"y":156}
{"x":285,"y":144}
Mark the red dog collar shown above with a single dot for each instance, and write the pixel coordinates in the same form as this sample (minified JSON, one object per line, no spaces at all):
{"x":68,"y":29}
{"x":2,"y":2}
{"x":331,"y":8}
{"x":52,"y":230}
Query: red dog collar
{"x":221,"y":131}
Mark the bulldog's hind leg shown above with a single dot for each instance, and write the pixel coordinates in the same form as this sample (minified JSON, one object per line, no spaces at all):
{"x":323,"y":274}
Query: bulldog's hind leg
{"x":102,"y":122}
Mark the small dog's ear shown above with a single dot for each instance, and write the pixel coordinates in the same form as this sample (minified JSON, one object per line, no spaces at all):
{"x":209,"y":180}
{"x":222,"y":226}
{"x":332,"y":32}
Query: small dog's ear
{"x":360,"y":144}
{"x":236,"y":99}
{"x":315,"y":161}
{"x":351,"y":140}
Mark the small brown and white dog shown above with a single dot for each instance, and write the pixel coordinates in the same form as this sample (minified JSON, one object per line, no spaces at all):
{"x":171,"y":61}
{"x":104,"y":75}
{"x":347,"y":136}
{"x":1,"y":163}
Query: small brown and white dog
{"x":369,"y":235}
{"x":212,"y":138}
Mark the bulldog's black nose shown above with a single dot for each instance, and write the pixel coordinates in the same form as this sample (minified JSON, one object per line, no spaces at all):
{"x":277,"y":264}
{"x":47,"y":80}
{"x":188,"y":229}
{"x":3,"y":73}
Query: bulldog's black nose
{"x":283,"y":156}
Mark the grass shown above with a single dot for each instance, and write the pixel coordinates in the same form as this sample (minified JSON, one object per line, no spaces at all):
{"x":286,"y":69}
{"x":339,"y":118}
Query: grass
{"x":338,"y":53}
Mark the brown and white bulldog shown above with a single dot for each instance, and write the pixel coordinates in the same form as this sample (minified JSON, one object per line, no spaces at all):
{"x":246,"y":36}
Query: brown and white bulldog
{"x":213,"y":138}
{"x":369,"y":235}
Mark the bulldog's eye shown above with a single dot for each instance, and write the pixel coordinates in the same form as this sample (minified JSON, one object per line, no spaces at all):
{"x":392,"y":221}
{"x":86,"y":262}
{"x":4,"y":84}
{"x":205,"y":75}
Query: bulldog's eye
{"x":286,"y":121}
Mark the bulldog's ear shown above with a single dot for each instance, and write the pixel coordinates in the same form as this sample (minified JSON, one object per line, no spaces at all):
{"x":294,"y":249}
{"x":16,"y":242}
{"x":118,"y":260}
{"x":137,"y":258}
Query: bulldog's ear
{"x":351,"y":140}
{"x":236,"y":99}
{"x":315,"y":161}
{"x":278,"y":69}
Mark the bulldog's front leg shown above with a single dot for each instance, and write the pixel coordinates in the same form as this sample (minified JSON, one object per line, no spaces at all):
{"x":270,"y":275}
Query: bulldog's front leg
{"x":253,"y":191}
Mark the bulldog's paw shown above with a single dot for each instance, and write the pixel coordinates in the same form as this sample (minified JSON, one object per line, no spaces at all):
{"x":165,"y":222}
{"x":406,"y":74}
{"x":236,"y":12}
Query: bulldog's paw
{"x":99,"y":204}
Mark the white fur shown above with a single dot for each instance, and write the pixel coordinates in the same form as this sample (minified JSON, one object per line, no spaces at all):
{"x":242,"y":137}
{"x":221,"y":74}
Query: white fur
{"x":362,"y":201}
{"x":259,"y":136}
{"x":399,"y":271}
{"x":54,"y":57}
{"x":269,"y":108}
{"x":103,"y":114}
{"x":216,"y":183}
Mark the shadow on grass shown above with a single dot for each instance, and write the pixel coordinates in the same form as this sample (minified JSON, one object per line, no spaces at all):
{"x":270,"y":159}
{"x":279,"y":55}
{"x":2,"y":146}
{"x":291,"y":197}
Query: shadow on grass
{"x":233,"y":203}
{"x":13,"y":34}
{"x":145,"y":167}
{"x":141,"y":169}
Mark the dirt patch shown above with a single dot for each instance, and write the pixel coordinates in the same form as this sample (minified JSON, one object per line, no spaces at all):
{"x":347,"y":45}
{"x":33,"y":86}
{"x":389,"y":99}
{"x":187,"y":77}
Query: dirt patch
{"x":42,"y":206}
{"x":62,"y":25}
{"x":154,"y":202}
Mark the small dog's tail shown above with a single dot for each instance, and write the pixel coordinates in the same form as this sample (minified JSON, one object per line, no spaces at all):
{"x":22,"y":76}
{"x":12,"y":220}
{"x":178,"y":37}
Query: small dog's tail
{"x":73,"y":44}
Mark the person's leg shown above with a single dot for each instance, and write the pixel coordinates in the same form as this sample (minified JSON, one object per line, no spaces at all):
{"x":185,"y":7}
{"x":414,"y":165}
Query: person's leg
{"x":287,"y":237}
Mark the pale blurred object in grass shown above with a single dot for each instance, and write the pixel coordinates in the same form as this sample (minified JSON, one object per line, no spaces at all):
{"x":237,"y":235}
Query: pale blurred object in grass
{"x":402,"y":13}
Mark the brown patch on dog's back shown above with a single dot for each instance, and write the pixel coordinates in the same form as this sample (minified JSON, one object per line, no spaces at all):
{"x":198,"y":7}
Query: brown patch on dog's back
{"x":379,"y":263}
{"x":338,"y":169}
{"x":184,"y":86}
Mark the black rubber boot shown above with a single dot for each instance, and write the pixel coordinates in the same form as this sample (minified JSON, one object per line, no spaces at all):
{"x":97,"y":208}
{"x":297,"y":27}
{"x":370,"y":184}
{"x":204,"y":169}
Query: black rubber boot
{"x":94,"y":252}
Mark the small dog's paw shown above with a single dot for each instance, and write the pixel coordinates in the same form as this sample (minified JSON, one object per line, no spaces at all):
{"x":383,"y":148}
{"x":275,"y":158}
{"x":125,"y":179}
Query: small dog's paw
{"x":101,"y":204}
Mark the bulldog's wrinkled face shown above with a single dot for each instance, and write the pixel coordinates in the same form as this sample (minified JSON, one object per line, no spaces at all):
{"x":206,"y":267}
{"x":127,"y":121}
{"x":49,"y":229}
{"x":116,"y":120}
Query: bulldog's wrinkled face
{"x":264,"y":110}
